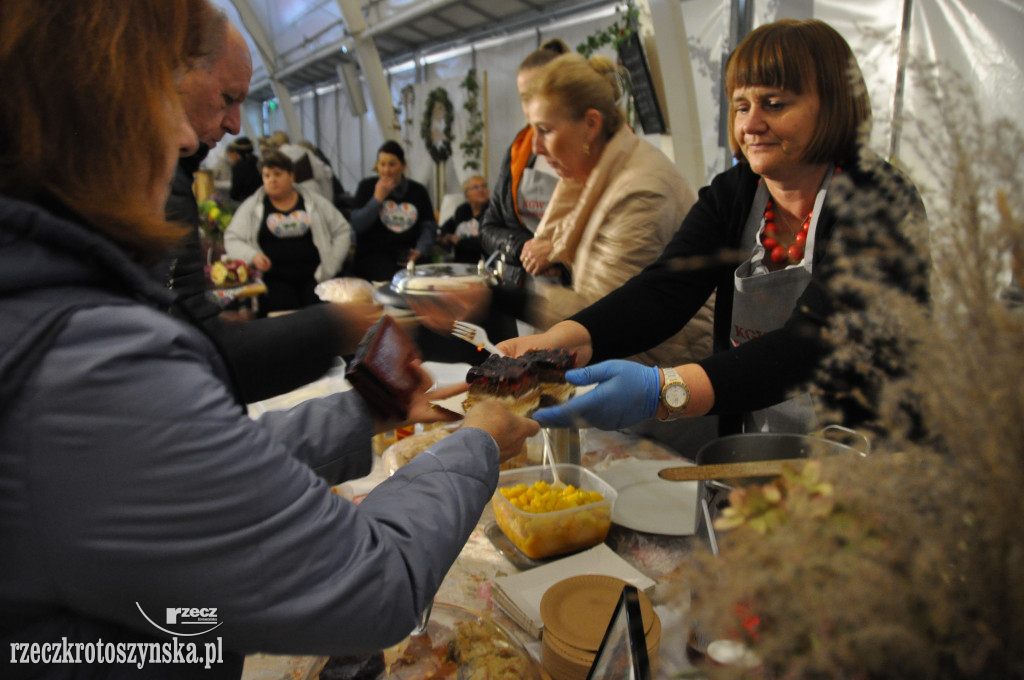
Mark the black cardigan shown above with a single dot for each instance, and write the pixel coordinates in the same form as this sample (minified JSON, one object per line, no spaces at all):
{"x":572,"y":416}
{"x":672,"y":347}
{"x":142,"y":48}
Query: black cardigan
{"x":702,"y":257}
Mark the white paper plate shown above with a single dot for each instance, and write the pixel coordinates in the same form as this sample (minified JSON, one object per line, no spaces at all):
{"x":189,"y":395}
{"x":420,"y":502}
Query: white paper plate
{"x":446,"y":373}
{"x":648,"y":503}
{"x":454,"y":404}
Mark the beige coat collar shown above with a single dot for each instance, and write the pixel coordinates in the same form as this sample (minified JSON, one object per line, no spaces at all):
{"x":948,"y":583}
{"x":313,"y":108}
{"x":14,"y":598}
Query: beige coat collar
{"x":572,"y":203}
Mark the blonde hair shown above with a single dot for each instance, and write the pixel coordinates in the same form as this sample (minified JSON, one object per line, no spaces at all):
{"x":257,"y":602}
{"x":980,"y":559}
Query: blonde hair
{"x":470,"y":180}
{"x":88,"y":124}
{"x":576,"y":85}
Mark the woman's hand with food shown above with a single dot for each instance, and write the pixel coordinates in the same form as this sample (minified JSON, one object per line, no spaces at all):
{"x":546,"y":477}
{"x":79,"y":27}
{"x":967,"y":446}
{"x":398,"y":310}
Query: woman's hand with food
{"x":563,"y":335}
{"x":421,"y":407}
{"x":509,"y":430}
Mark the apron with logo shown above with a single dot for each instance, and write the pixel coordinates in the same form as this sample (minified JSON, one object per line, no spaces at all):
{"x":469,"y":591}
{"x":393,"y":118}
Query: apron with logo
{"x":764,"y":300}
{"x":535,"y":189}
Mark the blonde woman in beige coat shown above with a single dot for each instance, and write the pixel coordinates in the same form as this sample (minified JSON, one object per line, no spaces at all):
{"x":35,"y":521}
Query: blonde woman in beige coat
{"x":617,"y":204}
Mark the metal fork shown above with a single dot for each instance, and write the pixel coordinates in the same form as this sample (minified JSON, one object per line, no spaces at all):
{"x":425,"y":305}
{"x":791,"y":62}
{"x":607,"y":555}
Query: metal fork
{"x":472,"y":333}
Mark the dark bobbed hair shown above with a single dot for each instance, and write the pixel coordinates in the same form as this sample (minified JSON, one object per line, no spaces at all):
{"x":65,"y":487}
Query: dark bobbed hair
{"x":87,"y":124}
{"x":277,"y":159}
{"x":576,"y":84}
{"x":242,"y":146}
{"x":802,"y":56}
{"x":542,"y":55}
{"x":392,"y":147}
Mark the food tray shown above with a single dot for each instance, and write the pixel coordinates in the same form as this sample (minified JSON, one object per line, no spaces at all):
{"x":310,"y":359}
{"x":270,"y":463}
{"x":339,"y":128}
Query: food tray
{"x":539,"y":535}
{"x":458,"y":643}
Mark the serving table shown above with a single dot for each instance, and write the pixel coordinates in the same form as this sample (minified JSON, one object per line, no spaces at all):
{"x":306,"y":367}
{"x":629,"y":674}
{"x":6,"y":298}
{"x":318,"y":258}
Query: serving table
{"x":468,"y":583}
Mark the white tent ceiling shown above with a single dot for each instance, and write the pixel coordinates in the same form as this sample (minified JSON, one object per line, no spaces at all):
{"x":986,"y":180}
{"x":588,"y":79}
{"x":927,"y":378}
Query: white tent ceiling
{"x":425,"y":44}
{"x":310,"y":38}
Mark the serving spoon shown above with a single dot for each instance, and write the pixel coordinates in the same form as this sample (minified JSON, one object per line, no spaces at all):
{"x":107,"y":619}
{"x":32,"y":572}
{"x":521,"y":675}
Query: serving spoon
{"x":549,"y":459}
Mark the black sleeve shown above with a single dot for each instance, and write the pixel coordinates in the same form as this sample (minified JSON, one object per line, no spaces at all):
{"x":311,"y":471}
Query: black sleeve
{"x":278,"y":354}
{"x":426,"y":228}
{"x":187,"y":277}
{"x":364,"y":192}
{"x":664,"y":297}
{"x":237,"y":190}
{"x":766,"y":370}
{"x":864,"y":247}
{"x":245,"y":180}
{"x":181,"y":203}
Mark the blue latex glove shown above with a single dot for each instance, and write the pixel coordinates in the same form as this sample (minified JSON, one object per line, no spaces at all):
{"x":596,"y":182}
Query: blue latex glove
{"x":627,"y":393}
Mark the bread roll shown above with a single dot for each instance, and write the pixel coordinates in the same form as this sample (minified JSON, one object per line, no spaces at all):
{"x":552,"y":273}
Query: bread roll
{"x":404,"y":450}
{"x":345,"y":290}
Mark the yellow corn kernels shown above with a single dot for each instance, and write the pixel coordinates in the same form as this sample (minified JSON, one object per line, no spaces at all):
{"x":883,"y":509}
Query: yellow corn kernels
{"x":542,"y":497}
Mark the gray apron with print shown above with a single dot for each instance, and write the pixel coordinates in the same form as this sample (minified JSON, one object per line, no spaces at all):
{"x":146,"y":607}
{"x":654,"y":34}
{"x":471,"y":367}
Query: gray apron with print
{"x":764,"y":300}
{"x":535,"y":188}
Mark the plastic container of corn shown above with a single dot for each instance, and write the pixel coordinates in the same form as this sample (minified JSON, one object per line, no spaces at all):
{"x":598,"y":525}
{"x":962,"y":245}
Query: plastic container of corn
{"x":542,"y":520}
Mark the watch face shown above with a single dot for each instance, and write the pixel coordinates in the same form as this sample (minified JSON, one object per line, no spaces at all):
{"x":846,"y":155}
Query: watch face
{"x":676,"y":396}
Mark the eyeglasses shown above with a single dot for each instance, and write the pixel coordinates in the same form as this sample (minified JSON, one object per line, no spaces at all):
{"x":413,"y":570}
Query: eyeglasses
{"x":472,"y":187}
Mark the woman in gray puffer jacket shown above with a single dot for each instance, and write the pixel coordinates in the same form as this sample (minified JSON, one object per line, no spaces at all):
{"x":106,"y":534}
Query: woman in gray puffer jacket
{"x":132,"y":482}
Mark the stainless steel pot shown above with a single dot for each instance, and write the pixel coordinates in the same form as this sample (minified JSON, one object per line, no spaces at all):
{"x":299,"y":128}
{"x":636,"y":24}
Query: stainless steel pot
{"x":427,"y":278}
{"x":713,"y":495}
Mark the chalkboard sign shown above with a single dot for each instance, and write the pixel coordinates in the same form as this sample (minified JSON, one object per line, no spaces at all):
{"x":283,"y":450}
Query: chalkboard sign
{"x":631,"y":52}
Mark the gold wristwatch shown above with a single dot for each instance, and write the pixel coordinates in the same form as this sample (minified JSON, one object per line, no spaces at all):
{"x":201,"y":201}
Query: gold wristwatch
{"x":675,"y":395}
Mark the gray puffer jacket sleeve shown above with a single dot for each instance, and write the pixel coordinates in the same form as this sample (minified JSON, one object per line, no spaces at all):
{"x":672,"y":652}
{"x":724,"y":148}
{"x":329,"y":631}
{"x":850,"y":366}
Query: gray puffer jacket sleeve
{"x":172,"y":496}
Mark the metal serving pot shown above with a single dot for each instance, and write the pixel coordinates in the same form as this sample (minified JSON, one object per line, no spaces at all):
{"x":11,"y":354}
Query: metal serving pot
{"x":432,"y":278}
{"x":713,"y":495}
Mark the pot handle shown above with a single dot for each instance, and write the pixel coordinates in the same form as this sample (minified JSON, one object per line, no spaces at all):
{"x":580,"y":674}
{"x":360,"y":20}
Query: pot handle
{"x":863,"y":450}
{"x":498,"y":270}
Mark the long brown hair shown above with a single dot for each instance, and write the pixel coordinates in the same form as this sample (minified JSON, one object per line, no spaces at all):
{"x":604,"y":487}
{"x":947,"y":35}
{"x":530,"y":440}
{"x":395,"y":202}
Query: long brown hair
{"x":84,"y":117}
{"x":802,"y":56}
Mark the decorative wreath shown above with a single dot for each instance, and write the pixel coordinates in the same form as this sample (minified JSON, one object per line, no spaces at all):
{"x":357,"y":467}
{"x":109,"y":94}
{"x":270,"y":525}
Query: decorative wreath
{"x":441,"y":148}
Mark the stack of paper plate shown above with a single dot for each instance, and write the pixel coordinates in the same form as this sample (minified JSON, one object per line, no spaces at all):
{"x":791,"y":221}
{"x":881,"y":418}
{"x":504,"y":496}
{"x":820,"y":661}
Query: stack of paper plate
{"x":576,"y":612}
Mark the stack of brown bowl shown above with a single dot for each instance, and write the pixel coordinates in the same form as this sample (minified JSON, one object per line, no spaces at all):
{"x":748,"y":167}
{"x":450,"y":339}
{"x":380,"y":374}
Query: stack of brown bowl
{"x":576,"y":613}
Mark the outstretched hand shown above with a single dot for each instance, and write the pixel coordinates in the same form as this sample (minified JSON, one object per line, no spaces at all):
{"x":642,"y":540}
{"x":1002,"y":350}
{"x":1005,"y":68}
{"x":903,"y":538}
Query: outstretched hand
{"x":626,"y":393}
{"x":563,"y":335}
{"x":509,"y":430}
{"x":421,"y":410}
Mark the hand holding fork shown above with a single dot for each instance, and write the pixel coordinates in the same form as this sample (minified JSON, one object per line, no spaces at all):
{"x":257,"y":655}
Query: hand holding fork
{"x":476,"y":335}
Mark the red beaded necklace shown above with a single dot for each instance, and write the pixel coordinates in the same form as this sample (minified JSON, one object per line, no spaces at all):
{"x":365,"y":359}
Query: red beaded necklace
{"x":770,"y":241}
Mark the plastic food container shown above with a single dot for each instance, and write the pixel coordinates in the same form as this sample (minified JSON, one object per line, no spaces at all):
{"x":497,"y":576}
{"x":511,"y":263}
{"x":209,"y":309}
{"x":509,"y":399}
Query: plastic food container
{"x":545,"y":534}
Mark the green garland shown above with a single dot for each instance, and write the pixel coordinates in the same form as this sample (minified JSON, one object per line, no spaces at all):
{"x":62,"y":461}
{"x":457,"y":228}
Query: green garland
{"x":443,"y":151}
{"x":627,"y":19}
{"x":474,"y":142}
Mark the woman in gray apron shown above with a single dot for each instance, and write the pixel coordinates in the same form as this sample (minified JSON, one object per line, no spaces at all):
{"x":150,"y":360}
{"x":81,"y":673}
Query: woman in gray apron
{"x":758,"y":237}
{"x":765,"y":295}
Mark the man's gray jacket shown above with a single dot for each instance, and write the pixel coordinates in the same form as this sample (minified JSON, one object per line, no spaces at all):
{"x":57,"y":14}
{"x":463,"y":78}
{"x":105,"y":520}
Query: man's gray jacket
{"x":132,"y":481}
